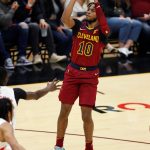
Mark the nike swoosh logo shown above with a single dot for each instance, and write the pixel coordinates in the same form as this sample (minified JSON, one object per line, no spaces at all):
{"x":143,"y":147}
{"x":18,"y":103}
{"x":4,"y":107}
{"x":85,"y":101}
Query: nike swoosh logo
{"x":98,"y":6}
{"x":96,"y":74}
{"x":82,"y":29}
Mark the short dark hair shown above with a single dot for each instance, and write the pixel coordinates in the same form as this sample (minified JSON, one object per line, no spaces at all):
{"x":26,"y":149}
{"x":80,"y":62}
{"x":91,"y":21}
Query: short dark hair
{"x":5,"y":107}
{"x":3,"y":75}
{"x":91,"y":3}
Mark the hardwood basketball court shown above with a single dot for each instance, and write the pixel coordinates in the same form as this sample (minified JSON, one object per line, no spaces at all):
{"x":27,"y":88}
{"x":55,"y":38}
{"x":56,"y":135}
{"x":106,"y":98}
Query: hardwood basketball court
{"x":117,"y":127}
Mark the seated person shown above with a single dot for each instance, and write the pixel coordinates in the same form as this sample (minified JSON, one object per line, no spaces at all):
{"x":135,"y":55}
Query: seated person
{"x":62,"y":35}
{"x":12,"y":34}
{"x":120,"y":22}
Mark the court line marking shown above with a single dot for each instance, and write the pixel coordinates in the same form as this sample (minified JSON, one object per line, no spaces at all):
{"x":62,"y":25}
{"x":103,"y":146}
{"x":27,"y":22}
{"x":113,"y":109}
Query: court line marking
{"x":97,"y":137}
{"x":99,"y":92}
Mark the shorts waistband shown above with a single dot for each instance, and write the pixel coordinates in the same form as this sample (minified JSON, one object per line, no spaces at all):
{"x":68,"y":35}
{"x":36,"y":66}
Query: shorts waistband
{"x":83,"y":68}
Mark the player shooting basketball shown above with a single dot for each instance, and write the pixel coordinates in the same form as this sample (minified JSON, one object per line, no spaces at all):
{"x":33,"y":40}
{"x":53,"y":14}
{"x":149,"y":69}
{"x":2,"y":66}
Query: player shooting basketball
{"x":81,"y":76}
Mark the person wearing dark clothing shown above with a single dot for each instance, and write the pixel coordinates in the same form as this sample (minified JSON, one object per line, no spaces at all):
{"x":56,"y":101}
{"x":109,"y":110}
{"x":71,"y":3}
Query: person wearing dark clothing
{"x":52,"y":11}
{"x":12,"y":34}
{"x":37,"y":16}
{"x":23,"y":17}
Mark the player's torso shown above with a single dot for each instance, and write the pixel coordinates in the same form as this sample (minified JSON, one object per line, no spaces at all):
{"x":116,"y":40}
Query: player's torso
{"x":87,"y":46}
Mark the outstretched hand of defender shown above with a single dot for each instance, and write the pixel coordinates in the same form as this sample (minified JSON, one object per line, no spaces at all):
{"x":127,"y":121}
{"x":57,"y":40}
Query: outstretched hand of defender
{"x":52,"y":86}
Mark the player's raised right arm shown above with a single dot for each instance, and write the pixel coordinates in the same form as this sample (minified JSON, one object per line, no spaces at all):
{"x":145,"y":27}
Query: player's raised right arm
{"x":66,"y":16}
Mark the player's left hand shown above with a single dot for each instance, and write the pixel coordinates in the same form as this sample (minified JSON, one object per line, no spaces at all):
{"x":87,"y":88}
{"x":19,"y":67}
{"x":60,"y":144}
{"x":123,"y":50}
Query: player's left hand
{"x":52,"y":86}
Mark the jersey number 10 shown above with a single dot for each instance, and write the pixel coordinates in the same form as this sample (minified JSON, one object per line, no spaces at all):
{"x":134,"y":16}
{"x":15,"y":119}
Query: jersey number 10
{"x":85,"y":48}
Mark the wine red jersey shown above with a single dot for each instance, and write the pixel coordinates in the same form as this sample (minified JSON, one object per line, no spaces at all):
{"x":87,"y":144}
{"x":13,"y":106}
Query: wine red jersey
{"x":140,"y":7}
{"x":87,"y":44}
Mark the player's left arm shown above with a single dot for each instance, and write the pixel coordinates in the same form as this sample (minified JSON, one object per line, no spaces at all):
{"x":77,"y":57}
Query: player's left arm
{"x":101,"y":18}
{"x":51,"y":86}
{"x":35,"y":95}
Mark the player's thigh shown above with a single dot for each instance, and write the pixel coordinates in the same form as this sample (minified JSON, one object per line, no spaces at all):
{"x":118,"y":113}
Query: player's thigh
{"x":69,"y":92}
{"x":87,"y":93}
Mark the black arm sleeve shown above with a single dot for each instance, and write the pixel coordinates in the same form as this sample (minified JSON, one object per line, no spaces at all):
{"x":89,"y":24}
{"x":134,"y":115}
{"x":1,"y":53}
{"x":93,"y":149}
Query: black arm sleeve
{"x":76,"y":27}
{"x":103,"y":38}
{"x":19,"y":94}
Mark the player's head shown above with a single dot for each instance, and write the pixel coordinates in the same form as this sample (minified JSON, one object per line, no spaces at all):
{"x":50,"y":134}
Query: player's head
{"x":3,"y":76}
{"x":91,"y":13}
{"x":6,"y":109}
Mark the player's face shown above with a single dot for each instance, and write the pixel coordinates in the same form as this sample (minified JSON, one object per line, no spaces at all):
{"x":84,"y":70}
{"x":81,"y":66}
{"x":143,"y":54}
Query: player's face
{"x":91,"y":14}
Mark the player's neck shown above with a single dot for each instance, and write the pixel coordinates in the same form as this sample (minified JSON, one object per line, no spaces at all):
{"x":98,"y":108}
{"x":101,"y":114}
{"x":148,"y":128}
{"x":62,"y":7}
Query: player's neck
{"x":93,"y":24}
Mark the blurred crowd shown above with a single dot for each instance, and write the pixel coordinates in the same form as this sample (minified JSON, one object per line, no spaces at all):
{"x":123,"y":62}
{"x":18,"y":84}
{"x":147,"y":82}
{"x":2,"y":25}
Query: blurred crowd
{"x":25,"y":23}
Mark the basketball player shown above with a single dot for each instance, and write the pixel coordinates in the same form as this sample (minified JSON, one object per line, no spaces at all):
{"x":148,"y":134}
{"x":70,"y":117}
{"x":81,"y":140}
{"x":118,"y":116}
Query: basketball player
{"x":6,"y":129}
{"x":81,"y":76}
{"x":15,"y":94}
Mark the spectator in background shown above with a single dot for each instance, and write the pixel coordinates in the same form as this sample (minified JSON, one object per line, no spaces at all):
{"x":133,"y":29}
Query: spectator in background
{"x":7,"y":137}
{"x":39,"y":30}
{"x":5,"y":55}
{"x":119,"y":21}
{"x":23,"y":18}
{"x":141,"y":11}
{"x":12,"y":34}
{"x":52,"y":11}
{"x":38,"y":16}
{"x":79,"y":9}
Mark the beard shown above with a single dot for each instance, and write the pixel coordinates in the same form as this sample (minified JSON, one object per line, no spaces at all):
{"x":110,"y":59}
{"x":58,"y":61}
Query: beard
{"x":91,"y":21}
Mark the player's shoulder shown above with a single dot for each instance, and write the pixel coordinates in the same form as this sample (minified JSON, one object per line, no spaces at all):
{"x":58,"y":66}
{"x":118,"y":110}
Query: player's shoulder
{"x":2,"y":121}
{"x":4,"y":125}
{"x":18,"y":90}
{"x":20,"y":94}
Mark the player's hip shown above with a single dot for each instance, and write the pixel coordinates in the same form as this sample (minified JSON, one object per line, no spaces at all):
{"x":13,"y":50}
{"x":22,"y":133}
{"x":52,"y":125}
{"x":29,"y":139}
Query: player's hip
{"x":82,"y":73}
